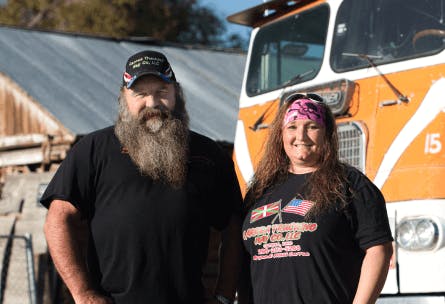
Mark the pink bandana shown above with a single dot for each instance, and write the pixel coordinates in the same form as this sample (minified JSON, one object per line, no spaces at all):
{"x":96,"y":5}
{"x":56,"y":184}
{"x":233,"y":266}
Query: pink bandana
{"x":305,"y":109}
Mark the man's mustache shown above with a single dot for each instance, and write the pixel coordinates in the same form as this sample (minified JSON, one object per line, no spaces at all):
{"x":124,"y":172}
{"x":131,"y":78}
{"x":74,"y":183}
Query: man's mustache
{"x":150,"y":113}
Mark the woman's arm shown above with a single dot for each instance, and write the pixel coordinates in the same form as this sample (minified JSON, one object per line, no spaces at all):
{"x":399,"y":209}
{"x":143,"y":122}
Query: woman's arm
{"x":373,"y":273}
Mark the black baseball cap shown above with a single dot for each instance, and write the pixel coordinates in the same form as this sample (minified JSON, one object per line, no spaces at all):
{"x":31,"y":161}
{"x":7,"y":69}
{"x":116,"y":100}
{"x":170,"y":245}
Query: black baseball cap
{"x":147,"y":63}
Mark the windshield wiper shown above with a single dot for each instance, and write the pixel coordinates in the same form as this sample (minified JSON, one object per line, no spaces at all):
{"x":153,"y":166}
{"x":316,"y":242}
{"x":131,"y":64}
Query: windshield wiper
{"x":259,"y":122}
{"x":298,"y":77}
{"x":368,"y":58}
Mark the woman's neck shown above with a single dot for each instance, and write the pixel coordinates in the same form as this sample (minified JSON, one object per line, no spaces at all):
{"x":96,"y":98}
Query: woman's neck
{"x":301,"y":170}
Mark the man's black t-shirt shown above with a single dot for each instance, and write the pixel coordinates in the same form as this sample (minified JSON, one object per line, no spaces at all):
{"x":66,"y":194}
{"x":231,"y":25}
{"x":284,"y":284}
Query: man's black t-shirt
{"x":148,"y":241}
{"x":298,"y":261}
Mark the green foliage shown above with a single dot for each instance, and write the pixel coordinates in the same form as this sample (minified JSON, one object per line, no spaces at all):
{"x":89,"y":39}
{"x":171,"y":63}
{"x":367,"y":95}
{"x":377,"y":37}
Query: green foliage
{"x":182,"y":21}
{"x":100,"y":17}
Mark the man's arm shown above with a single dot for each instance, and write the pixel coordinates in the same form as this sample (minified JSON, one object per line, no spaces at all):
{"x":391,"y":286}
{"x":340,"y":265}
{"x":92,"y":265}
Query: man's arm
{"x":230,"y":255}
{"x":245,"y":295}
{"x":373,"y":273}
{"x":66,"y":236}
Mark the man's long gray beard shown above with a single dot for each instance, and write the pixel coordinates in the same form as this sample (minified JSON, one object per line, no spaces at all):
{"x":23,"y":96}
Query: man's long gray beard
{"x":156,"y":142}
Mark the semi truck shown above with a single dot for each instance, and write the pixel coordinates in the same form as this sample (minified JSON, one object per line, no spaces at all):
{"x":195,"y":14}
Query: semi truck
{"x":380,"y":66}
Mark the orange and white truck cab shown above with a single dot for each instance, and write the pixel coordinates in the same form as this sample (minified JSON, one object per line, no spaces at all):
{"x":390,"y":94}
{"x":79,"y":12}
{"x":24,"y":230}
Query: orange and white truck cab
{"x":380,"y":65}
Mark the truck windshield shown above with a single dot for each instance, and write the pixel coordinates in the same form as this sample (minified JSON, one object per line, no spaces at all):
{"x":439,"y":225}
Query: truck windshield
{"x":288,"y":51}
{"x":386,"y":31}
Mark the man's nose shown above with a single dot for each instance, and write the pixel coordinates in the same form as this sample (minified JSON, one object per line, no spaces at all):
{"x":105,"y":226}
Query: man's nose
{"x":151,"y":101}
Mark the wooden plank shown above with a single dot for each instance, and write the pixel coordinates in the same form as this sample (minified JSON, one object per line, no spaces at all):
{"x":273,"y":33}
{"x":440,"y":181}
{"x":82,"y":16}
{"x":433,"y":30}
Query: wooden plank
{"x":21,"y":157}
{"x":26,"y":140}
{"x":21,"y":114}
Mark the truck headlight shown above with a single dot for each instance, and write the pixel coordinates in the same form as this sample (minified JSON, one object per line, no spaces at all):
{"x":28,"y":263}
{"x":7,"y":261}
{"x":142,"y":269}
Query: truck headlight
{"x":418,"y":234}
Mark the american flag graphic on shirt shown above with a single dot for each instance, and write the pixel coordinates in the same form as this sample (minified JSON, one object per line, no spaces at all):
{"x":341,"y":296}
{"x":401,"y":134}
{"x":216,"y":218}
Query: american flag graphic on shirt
{"x":298,"y":206}
{"x":265,"y":211}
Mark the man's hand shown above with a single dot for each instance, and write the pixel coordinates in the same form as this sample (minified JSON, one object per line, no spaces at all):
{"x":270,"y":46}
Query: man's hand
{"x":92,"y":297}
{"x":219,"y":299}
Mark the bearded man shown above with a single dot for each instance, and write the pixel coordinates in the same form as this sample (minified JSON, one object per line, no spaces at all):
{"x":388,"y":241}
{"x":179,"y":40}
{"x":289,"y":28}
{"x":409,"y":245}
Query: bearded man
{"x":144,"y":193}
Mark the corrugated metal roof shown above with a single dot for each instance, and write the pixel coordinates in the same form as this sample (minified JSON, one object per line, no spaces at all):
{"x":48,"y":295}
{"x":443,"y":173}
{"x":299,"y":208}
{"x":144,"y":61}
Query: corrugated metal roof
{"x":77,"y":78}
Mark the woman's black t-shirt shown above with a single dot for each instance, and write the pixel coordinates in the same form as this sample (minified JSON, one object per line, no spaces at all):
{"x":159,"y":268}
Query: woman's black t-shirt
{"x":294,"y":260}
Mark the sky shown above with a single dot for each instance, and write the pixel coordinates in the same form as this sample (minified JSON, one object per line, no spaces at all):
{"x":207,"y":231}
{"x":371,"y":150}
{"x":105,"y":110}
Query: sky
{"x":224,"y":8}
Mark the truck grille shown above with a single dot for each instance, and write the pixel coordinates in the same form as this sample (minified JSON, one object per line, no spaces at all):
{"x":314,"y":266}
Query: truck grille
{"x":352,"y":144}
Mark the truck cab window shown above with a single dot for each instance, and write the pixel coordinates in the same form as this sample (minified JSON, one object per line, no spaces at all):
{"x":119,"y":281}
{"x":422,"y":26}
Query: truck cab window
{"x":288,"y":51}
{"x":386,"y":31}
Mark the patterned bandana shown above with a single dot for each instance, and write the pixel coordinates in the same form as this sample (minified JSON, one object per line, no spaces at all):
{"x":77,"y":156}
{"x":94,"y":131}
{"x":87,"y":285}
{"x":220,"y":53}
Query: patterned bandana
{"x":305,"y":109}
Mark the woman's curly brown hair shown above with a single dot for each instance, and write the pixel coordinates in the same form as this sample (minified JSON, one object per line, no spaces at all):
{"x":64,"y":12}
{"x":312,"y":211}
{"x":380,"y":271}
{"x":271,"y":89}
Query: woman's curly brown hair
{"x":326,"y":186}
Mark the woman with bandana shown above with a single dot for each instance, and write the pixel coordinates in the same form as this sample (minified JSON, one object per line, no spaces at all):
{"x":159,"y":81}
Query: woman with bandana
{"x":316,"y":230}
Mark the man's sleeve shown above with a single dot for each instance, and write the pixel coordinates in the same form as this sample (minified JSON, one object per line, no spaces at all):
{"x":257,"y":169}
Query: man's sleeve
{"x":73,"y":180}
{"x":228,"y":200}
